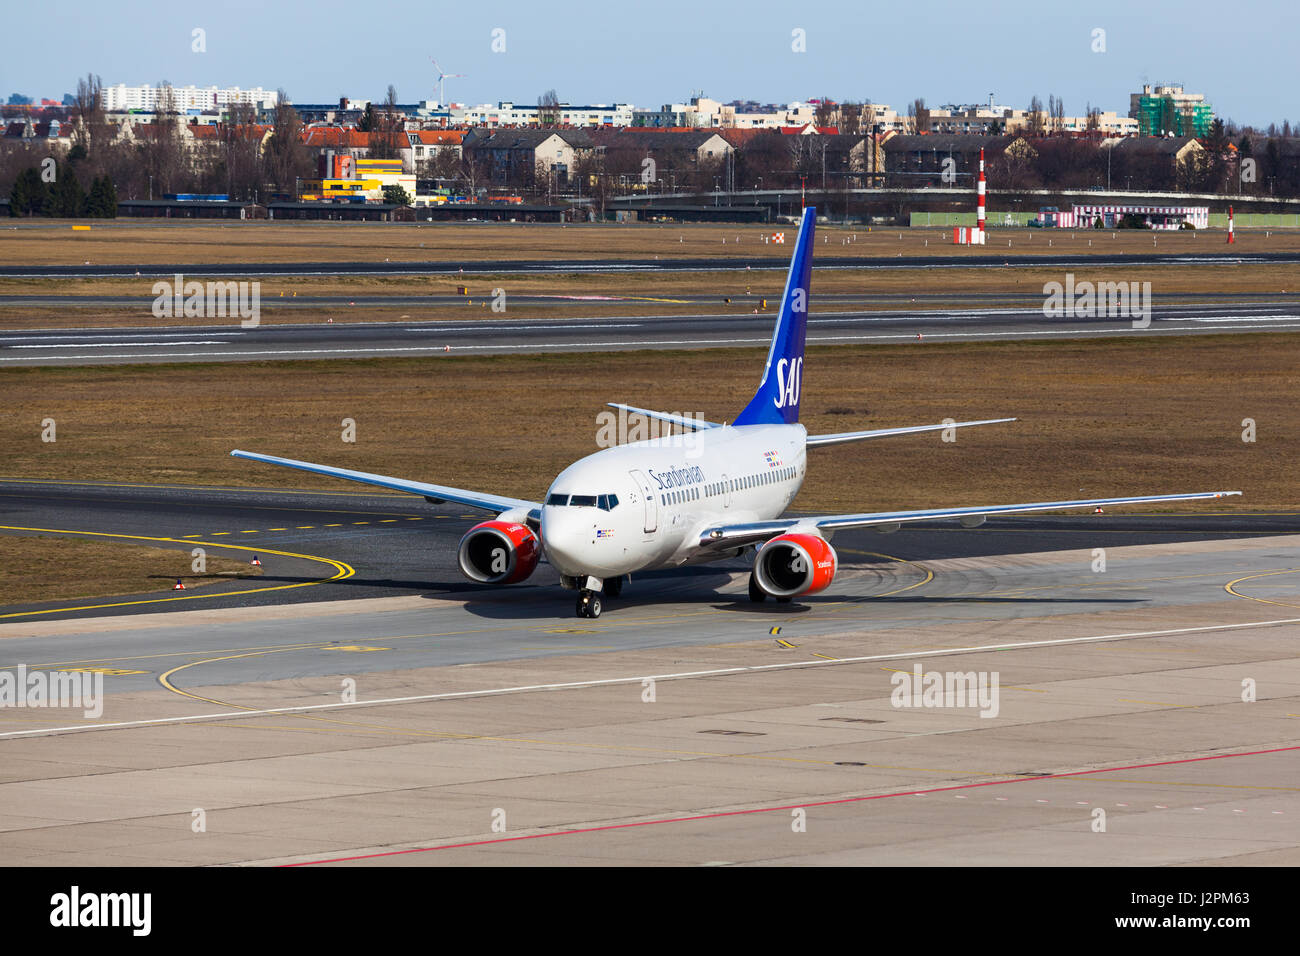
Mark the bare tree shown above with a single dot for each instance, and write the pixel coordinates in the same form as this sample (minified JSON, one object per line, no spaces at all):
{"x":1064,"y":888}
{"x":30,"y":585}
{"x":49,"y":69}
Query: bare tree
{"x":1037,"y":119}
{"x":824,"y":112}
{"x":850,"y":118}
{"x":238,"y":153}
{"x":918,"y":116}
{"x":387,"y":128}
{"x":285,"y":159}
{"x":162,"y":153}
{"x":548,"y":109}
{"x":93,"y":129}
{"x":1056,"y":113}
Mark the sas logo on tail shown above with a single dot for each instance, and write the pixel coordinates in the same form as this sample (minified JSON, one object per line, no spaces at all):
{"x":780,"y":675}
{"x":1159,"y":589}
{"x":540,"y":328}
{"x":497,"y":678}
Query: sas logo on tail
{"x":788,"y":374}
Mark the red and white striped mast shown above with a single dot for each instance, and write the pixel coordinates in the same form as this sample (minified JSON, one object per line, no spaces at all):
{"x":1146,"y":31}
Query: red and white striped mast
{"x":979,"y":211}
{"x":1230,"y":236}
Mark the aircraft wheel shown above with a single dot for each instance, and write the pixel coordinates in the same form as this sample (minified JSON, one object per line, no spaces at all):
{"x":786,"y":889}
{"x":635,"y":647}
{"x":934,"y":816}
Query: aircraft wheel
{"x":756,"y":594}
{"x":588,"y":604}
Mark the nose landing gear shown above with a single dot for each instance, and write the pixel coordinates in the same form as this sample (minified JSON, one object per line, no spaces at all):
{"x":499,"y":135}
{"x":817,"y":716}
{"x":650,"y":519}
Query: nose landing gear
{"x":589,"y":604}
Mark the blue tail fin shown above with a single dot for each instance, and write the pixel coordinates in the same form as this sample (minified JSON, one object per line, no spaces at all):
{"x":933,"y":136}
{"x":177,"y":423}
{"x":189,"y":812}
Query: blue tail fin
{"x":777,"y":400}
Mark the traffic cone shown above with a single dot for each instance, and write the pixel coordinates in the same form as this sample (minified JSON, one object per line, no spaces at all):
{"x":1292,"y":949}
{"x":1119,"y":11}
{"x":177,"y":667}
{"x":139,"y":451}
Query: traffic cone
{"x":178,"y":586}
{"x":256,"y":562}
{"x":1099,"y":512}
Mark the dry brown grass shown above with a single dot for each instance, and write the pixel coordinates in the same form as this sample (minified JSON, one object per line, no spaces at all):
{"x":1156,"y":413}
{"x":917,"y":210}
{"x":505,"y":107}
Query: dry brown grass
{"x":41,"y":568}
{"x":1098,"y":418}
{"x":126,"y":242}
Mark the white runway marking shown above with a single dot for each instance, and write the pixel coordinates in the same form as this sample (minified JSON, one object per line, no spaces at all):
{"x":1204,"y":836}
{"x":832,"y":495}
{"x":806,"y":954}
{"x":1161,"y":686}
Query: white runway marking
{"x":122,"y":345}
{"x":1009,"y":334}
{"x":83,"y":337}
{"x":637,"y":679}
{"x":540,"y":327}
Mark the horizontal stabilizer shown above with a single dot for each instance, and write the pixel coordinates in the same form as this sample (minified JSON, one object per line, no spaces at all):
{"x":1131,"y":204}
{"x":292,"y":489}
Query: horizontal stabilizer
{"x":840,"y":438}
{"x":685,"y":421}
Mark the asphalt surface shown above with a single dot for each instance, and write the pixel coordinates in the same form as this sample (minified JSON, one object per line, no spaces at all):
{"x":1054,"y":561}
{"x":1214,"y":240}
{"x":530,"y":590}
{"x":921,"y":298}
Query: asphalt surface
{"x":452,"y":725}
{"x":398,"y":545}
{"x":492,"y":336}
{"x":994,"y":260}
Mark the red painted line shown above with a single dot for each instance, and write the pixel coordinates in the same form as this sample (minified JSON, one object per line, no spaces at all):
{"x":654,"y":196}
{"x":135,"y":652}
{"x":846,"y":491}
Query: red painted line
{"x":793,"y":806}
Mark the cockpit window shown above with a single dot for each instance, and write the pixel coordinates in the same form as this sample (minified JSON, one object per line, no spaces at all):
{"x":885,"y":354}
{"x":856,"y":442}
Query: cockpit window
{"x":604,"y":502}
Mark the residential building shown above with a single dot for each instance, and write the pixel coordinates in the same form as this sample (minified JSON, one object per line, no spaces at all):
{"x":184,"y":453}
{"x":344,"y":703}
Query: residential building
{"x":122,"y":98}
{"x":1169,"y":110}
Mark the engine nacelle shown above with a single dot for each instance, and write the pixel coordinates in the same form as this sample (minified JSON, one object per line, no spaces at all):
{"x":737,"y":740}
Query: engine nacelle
{"x":499,"y":552}
{"x":794,"y":564}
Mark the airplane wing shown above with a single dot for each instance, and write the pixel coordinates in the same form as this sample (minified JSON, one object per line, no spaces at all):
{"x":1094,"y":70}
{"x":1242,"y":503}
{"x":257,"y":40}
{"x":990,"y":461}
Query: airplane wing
{"x":840,"y":437}
{"x":721,"y":537}
{"x":684,"y":421}
{"x":435,"y":493}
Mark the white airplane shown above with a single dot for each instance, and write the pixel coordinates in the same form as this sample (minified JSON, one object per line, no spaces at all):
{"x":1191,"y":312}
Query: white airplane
{"x":704,"y":495}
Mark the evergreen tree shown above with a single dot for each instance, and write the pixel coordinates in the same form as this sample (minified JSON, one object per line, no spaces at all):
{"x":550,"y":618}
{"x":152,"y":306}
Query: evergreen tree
{"x":95,"y":200}
{"x":110,"y":198}
{"x":29,"y":194}
{"x":102,"y":203}
{"x":65,"y":199}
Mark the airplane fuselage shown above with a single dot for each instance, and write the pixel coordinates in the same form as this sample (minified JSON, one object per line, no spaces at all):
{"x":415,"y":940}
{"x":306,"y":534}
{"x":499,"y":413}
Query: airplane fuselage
{"x":667,"y":491}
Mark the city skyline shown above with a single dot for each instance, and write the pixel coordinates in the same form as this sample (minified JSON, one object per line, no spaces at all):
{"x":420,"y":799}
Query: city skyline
{"x":670,"y":51}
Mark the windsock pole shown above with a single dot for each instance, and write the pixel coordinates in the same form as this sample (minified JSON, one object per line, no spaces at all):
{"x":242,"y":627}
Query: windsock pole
{"x":1231,"y":239}
{"x":979,"y":211}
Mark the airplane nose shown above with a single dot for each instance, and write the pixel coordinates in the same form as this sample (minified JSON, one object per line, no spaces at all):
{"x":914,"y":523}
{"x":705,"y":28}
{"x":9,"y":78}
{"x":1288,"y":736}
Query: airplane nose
{"x":572,"y":547}
{"x":566,"y":539}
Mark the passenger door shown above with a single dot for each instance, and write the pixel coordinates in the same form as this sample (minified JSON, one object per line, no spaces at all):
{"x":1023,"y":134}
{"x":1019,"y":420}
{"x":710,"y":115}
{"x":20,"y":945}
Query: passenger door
{"x":651,"y":501}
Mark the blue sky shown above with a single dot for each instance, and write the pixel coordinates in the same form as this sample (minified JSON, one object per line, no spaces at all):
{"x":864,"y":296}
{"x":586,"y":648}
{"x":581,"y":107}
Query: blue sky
{"x":1241,"y":55}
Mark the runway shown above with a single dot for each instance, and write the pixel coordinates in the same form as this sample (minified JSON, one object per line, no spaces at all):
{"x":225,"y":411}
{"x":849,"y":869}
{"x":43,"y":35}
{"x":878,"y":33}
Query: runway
{"x":493,"y":336}
{"x":777,"y":261}
{"x":686,"y":725}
